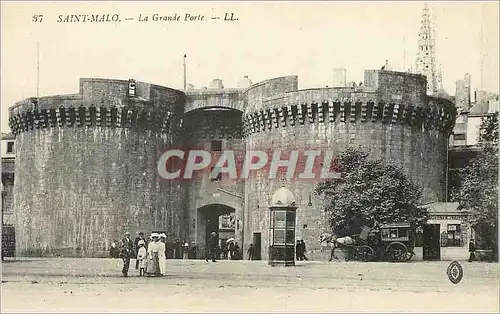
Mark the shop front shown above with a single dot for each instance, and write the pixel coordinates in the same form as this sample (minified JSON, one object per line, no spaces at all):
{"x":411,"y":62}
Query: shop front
{"x":447,"y":234}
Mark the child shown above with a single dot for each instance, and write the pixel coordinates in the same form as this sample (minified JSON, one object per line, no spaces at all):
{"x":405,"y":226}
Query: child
{"x":141,"y":257}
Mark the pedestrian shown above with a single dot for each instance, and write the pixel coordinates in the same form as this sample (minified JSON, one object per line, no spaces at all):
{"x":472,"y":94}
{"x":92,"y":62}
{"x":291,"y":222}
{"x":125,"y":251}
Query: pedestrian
{"x":251,"y":251}
{"x":177,"y":249}
{"x":193,"y":251}
{"x":142,"y":257}
{"x":225,"y":251}
{"x":303,"y":251}
{"x":162,"y":257}
{"x":136,"y":246}
{"x":127,"y":241}
{"x":298,"y":254}
{"x":212,"y":247}
{"x":230,"y":250}
{"x":185,"y":252}
{"x":153,"y":265}
{"x":125,"y":255}
{"x":472,"y":250}
{"x":236,"y":254}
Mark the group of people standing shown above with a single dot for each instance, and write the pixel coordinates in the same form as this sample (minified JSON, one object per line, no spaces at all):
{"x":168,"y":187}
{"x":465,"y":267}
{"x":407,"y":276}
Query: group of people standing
{"x":150,"y":256}
{"x":231,"y":251}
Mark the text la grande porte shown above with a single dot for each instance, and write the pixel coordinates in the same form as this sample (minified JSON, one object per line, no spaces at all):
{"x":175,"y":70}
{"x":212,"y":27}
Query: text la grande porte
{"x":188,"y":17}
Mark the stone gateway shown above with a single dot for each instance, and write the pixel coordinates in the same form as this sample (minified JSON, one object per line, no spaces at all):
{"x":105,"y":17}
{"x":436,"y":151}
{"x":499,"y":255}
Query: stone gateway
{"x":87,"y":163}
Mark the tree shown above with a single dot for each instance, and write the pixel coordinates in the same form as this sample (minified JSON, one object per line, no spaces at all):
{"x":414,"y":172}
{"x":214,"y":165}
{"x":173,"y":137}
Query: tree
{"x":477,"y":192}
{"x":488,"y":130}
{"x":368,"y":191}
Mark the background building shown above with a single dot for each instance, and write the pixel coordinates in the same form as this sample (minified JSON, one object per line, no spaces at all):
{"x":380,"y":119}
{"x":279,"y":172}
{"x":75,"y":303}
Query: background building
{"x":8,"y":159}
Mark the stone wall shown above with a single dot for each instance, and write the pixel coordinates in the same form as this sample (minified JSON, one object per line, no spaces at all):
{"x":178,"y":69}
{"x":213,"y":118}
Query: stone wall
{"x":87,"y":174}
{"x":410,"y":135}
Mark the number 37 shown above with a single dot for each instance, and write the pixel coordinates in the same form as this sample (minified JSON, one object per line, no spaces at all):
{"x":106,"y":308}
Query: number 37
{"x":37,"y":18}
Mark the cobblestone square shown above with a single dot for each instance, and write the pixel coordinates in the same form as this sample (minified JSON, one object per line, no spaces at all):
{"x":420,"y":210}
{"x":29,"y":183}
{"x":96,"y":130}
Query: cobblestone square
{"x":95,"y":285}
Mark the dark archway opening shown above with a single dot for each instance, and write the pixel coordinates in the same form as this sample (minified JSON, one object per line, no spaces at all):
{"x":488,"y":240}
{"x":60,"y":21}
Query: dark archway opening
{"x":216,"y":218}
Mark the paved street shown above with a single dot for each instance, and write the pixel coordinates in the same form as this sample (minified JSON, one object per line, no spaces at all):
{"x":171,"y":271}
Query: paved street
{"x":94,"y":285}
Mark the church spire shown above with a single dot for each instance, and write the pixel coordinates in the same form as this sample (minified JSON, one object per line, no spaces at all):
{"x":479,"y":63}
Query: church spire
{"x":426,"y":55}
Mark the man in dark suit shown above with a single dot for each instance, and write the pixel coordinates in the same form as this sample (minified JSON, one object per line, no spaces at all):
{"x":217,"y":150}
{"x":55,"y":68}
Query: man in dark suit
{"x":127,"y":241}
{"x":212,"y":247}
{"x":136,"y":246}
{"x":472,"y":251}
{"x":127,"y":251}
{"x":251,"y":251}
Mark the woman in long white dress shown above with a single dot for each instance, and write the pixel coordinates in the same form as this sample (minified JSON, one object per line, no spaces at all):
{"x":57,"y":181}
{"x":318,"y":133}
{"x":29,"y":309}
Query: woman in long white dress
{"x":153,"y":265}
{"x":162,"y":255}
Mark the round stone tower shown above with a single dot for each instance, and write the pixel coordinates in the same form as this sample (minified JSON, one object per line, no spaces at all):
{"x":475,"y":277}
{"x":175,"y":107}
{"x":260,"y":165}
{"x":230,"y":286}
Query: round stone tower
{"x":390,"y":116}
{"x":86,"y":167}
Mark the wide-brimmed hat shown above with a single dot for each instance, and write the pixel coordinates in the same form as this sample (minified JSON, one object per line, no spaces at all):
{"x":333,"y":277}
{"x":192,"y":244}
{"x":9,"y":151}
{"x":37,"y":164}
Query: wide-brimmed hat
{"x":213,"y":233}
{"x":186,"y":244}
{"x":155,"y":235}
{"x":141,"y":242}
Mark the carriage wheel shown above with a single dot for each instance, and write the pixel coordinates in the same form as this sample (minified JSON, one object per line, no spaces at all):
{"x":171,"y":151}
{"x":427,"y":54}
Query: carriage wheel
{"x":397,"y":252}
{"x":340,"y":253}
{"x":364,"y":253}
{"x":409,"y":255}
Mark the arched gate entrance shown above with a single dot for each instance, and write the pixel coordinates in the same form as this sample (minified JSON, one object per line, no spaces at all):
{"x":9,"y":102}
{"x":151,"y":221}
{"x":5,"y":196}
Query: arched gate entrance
{"x":216,"y":218}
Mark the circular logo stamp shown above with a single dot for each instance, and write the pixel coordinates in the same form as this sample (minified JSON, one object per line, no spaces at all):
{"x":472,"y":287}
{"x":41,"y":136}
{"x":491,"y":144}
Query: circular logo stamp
{"x":455,"y":272}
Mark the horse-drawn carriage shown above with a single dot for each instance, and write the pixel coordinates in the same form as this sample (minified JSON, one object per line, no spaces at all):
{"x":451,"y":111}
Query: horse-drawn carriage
{"x":387,"y":242}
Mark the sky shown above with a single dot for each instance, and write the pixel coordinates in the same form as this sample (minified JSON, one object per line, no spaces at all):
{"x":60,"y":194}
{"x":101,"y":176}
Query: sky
{"x":269,"y":39}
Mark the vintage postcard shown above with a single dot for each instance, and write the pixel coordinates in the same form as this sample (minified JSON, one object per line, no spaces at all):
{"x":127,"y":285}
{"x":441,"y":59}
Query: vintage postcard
{"x":171,"y":156}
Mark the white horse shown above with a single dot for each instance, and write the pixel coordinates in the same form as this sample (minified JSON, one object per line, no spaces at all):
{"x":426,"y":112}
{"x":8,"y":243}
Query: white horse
{"x":331,"y":240}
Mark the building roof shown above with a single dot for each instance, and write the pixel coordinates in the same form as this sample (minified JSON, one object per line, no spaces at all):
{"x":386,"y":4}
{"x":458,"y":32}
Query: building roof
{"x":444,"y":208}
{"x":8,"y":136}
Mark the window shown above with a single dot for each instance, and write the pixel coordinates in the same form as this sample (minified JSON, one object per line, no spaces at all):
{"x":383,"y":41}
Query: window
{"x":216,"y":146}
{"x":10,"y":147}
{"x":459,"y":137}
{"x":279,"y":219}
{"x":444,"y":239}
{"x":290,"y":239}
{"x":131,"y":88}
{"x":279,"y":236}
{"x":454,"y":235}
{"x":290,"y":220}
{"x":227,"y":221}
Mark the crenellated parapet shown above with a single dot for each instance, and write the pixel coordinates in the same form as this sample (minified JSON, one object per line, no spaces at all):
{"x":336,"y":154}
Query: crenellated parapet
{"x":103,"y":103}
{"x":94,"y":116}
{"x":439,"y":118}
